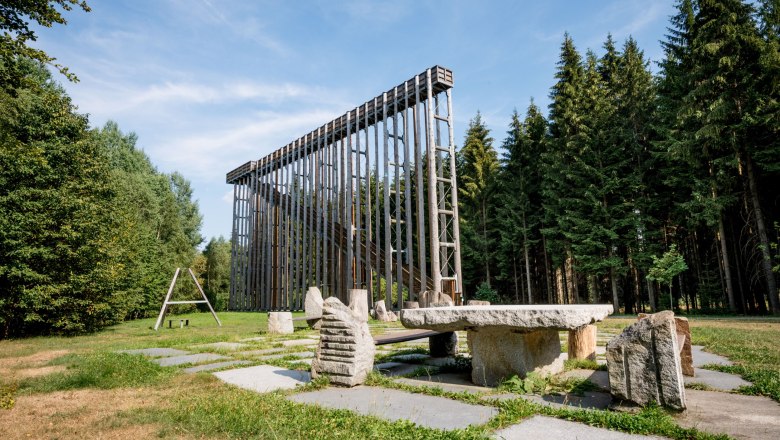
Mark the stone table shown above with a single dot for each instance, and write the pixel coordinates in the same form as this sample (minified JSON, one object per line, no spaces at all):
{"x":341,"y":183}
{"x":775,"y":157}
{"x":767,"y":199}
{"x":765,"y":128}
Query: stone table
{"x":508,"y":340}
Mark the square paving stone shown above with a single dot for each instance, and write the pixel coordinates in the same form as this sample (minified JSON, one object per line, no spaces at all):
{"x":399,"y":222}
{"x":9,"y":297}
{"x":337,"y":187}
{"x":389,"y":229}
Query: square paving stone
{"x":399,"y":368}
{"x":597,"y":377}
{"x":297,"y":342}
{"x":189,"y":359}
{"x":543,"y":427}
{"x":701,"y":357}
{"x":716,"y":379}
{"x":228,"y":346}
{"x":260,"y":352}
{"x":254,"y":339}
{"x":428,"y":411}
{"x":453,"y":382}
{"x":156,"y":352}
{"x":742,"y":417}
{"x":264,"y":378}
{"x":588,"y":400}
{"x":303,"y":354}
{"x":217,"y":366}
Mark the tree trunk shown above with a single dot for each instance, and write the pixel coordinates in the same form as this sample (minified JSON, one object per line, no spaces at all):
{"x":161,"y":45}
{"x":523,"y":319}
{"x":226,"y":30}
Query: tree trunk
{"x":766,"y":260}
{"x":726,"y":266}
{"x":514,"y":271}
{"x":547,"y":274}
{"x":582,"y":343}
{"x":527,"y":261}
{"x":613,"y":281}
{"x":651,"y":296}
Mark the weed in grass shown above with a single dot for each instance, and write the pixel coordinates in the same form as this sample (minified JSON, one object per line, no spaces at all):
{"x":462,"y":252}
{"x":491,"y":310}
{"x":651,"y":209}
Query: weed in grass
{"x":584,"y":364}
{"x":99,"y":370}
{"x":7,"y":395}
{"x":539,"y":384}
{"x":765,"y":382}
{"x":460,"y":364}
{"x":698,"y":386}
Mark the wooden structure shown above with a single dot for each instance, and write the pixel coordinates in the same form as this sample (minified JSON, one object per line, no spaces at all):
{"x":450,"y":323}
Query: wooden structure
{"x":367,"y":201}
{"x":167,"y":302}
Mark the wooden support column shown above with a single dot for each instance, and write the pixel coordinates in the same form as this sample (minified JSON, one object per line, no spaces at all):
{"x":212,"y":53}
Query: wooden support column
{"x":582,"y":343}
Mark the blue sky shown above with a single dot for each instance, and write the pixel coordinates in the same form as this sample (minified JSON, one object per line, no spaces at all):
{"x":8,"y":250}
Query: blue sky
{"x":210,"y":84}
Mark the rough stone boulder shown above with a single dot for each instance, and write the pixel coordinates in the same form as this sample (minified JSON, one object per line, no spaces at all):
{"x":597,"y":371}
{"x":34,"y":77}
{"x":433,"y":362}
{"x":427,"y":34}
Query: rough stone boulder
{"x":644,"y":363}
{"x":313,"y":307}
{"x":280,"y":323}
{"x":382,"y":314}
{"x":346,"y":350}
{"x":358,"y":303}
{"x":476,"y":302}
{"x":431,"y":298}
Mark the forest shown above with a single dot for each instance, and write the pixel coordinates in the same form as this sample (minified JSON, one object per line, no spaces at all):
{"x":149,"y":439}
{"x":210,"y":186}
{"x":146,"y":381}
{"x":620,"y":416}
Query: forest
{"x":90,"y":230}
{"x":647,"y":191}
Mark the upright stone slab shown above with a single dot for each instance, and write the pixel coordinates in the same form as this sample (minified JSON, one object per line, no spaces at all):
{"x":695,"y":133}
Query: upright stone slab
{"x":280,"y":323}
{"x":644,"y":363}
{"x":411,"y":305}
{"x":582,"y":343}
{"x":313,"y":307}
{"x":346,"y":349}
{"x":684,"y":343}
{"x":358,"y":302}
{"x":382,"y":314}
{"x":431,"y":298}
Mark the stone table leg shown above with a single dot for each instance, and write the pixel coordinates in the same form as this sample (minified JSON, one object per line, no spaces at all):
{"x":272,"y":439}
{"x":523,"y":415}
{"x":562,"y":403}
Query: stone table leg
{"x":498,"y":354}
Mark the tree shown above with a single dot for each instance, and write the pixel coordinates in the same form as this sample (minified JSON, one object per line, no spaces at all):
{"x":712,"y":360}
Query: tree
{"x":216,"y":279}
{"x":666,"y":268}
{"x":477,"y":174}
{"x":15,"y":20}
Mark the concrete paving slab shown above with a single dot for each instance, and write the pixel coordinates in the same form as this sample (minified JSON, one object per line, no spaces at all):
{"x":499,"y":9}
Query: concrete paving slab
{"x":255,"y":339}
{"x":264,"y":378}
{"x":303,"y":354}
{"x":538,"y":427}
{"x":228,"y":346}
{"x":588,"y":400}
{"x":599,"y":378}
{"x":716,"y":380}
{"x":297,"y":342}
{"x":304,"y":361}
{"x":189,"y":359}
{"x":156,"y":352}
{"x":216,"y":366}
{"x":742,"y":417}
{"x":428,"y":411}
{"x":439,"y":362}
{"x":260,"y":352}
{"x":453,"y":382}
{"x":701,"y":357}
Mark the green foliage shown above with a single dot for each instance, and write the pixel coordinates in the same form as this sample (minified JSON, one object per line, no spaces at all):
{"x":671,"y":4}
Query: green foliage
{"x":216,"y":278}
{"x":8,"y":395}
{"x":15,"y":18}
{"x":486,"y":293}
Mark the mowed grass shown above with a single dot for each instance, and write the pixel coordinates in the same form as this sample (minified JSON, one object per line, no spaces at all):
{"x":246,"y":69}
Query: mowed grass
{"x":183,"y":406}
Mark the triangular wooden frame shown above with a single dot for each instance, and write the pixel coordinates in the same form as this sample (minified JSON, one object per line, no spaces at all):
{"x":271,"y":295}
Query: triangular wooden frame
{"x":168,"y":301}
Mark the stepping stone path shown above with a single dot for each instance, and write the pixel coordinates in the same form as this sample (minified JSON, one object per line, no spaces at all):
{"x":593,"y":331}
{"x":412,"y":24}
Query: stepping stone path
{"x":744,"y":417}
{"x":156,"y":352}
{"x":188,"y":359}
{"x":549,"y":427}
{"x":217,"y":366}
{"x":229,"y":346}
{"x":428,"y":411}
{"x":264,"y":378}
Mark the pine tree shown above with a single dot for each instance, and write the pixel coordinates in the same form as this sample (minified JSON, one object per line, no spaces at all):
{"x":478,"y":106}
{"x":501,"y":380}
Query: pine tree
{"x":477,"y":173}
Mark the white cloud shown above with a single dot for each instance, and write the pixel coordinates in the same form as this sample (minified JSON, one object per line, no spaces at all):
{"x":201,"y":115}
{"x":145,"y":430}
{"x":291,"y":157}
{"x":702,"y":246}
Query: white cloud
{"x":228,"y":197}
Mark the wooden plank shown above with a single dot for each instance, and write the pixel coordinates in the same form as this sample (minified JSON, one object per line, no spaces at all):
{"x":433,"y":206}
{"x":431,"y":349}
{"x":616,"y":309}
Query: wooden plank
{"x":410,"y":335}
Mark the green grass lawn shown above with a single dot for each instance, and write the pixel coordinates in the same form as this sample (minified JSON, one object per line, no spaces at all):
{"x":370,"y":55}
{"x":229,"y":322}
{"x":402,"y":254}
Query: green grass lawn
{"x":165,"y":402}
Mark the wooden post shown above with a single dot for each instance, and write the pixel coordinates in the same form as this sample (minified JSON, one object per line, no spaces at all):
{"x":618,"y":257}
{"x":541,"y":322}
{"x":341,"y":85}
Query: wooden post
{"x":582,"y":343}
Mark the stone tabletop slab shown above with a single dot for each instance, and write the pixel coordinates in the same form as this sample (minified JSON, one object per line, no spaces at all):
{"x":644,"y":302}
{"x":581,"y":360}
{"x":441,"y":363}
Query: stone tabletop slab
{"x":510,"y":317}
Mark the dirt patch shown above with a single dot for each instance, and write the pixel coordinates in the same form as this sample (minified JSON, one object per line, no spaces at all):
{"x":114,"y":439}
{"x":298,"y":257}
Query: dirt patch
{"x":77,"y":414}
{"x":34,"y":365}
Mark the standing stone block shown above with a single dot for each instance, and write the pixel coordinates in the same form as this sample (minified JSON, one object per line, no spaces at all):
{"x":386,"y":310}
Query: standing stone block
{"x":497,"y":355}
{"x":582,"y":343}
{"x":411,"y":305}
{"x":313,"y":307}
{"x":382,"y":314}
{"x":431,"y":298}
{"x":358,"y":302}
{"x":476,"y":302}
{"x":443,"y":345}
{"x":346,"y":350}
{"x":280,"y":323}
{"x":686,"y":356}
{"x":644,"y":363}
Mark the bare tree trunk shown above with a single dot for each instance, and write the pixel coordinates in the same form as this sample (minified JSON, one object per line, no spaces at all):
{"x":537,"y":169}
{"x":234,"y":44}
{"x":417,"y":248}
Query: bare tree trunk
{"x":527,"y":261}
{"x":547,"y":274}
{"x":766,"y":261}
{"x":613,"y":281}
{"x":726,"y":266}
{"x":514,"y":270}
